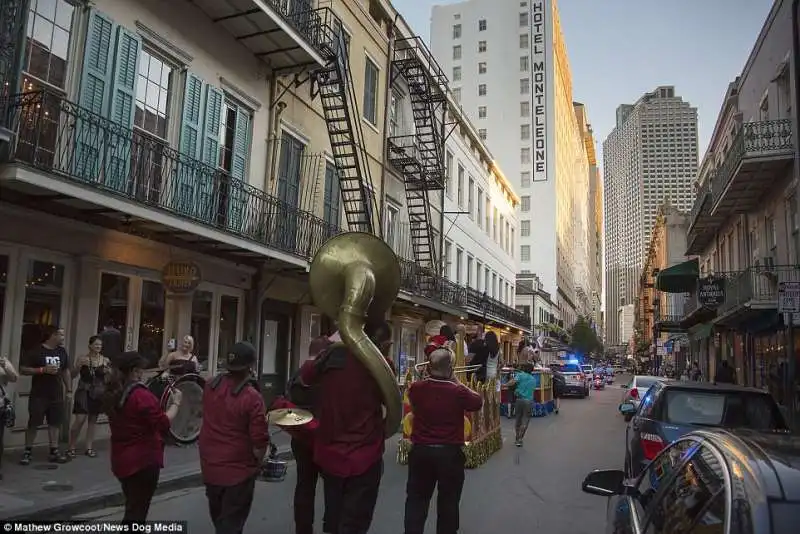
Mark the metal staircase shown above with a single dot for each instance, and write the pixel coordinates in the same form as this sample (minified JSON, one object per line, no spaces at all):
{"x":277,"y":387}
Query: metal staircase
{"x":340,"y":106}
{"x":420,"y":157}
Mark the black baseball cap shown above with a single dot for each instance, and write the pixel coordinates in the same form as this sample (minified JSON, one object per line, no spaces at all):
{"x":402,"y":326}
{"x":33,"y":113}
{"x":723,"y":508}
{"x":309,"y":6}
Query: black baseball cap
{"x":240,"y":357}
{"x":130,"y":360}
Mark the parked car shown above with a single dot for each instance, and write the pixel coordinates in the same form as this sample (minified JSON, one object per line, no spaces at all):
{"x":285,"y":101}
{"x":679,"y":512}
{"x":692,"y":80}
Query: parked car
{"x":635,"y":390}
{"x":709,"y":482}
{"x":670,"y":410}
{"x":576,"y":382}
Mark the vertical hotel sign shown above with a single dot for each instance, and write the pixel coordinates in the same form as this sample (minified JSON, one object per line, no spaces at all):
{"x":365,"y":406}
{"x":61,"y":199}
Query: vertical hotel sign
{"x":539,"y":88}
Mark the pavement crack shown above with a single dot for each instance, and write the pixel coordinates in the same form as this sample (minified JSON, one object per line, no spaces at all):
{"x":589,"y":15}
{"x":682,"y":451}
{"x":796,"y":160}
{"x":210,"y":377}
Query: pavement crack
{"x":534,"y":492}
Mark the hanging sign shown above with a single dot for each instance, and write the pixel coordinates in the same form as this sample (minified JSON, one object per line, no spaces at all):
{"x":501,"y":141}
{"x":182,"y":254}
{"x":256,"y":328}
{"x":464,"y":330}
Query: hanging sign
{"x":711,"y":292}
{"x":181,"y":276}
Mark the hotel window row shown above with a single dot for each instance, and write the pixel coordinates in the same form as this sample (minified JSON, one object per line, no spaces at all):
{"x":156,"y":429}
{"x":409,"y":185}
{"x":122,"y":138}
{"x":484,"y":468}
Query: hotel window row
{"x":474,"y":274}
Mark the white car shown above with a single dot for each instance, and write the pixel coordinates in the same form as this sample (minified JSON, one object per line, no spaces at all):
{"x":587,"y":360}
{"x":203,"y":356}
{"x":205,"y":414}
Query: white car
{"x":636,"y":388}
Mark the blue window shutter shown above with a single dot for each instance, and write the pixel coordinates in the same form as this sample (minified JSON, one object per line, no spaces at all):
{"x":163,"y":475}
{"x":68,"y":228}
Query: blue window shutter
{"x":97,"y":71}
{"x":189,"y":172}
{"x":122,"y":106}
{"x":209,"y":154}
{"x":237,"y":191}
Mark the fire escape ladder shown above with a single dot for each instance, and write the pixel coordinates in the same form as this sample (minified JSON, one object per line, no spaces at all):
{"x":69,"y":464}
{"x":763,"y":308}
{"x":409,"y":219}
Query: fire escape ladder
{"x":340,"y":107}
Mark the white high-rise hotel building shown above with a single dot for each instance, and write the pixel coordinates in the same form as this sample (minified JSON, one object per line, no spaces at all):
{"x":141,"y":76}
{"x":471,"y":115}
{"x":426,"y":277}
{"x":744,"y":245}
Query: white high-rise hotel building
{"x":508,"y":67}
{"x":649,"y":156}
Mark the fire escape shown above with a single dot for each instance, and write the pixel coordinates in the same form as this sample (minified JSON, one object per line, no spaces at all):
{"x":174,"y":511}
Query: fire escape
{"x":420,"y":157}
{"x":337,"y":94}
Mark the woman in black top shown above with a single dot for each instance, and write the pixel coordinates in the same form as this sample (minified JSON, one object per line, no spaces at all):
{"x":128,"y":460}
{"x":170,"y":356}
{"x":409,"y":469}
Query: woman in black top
{"x":91,"y":370}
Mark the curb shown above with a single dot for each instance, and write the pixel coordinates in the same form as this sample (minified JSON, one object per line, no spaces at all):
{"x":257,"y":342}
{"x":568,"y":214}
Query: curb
{"x":110,"y":496}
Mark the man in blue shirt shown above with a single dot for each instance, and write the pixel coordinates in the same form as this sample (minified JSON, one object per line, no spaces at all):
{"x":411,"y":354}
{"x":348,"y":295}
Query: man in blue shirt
{"x":524,"y":385}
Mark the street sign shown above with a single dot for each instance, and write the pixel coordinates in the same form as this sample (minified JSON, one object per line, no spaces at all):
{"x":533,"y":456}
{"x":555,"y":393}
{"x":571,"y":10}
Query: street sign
{"x":789,"y":297}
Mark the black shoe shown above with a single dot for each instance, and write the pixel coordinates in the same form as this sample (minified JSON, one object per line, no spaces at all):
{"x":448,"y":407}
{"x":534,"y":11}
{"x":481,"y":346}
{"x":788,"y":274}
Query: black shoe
{"x":57,"y":457}
{"x":26,"y":458}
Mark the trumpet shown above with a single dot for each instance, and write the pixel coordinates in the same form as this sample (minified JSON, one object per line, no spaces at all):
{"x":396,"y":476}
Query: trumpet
{"x":464,"y":369}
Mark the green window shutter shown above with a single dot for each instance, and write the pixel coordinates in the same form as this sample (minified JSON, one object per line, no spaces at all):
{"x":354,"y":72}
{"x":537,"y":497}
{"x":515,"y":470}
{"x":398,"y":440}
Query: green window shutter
{"x":237,"y":191}
{"x":209,"y":154}
{"x":122,"y":106}
{"x":96,"y":76}
{"x":189,"y":170}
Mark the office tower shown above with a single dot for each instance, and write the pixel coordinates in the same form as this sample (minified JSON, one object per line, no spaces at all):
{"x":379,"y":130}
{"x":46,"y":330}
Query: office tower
{"x":508,"y":67}
{"x":650,"y":156}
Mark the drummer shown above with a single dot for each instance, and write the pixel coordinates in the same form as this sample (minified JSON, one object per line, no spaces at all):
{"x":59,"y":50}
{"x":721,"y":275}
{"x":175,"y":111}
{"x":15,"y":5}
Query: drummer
{"x":233,"y":440}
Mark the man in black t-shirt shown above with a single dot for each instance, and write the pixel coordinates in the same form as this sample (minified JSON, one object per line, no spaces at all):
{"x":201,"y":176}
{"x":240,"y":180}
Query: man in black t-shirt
{"x":48,"y":366}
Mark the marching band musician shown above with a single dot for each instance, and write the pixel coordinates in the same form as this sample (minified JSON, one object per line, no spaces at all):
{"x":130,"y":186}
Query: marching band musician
{"x":349,"y":443}
{"x":233,"y":440}
{"x":436,"y":458}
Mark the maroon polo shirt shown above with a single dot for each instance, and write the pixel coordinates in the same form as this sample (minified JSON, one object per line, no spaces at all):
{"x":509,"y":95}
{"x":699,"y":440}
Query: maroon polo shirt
{"x":136,"y":434}
{"x":350,"y":437}
{"x":233,"y":427}
{"x":438,"y":407}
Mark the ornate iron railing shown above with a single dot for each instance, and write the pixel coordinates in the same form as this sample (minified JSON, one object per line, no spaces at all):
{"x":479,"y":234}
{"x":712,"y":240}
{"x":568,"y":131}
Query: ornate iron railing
{"x":58,"y":136}
{"x":757,"y":285}
{"x":486,"y":305}
{"x":420,"y":281}
{"x":699,"y":201}
{"x":317,"y":26}
{"x":671,"y":307}
{"x":754,"y":139}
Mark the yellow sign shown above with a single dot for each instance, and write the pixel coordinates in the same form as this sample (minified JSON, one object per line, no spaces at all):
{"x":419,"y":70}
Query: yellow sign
{"x":181,"y":276}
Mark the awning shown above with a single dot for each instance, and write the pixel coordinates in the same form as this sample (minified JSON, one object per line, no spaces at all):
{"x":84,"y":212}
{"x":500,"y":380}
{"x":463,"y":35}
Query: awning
{"x":680,"y":278}
{"x":700,"y":331}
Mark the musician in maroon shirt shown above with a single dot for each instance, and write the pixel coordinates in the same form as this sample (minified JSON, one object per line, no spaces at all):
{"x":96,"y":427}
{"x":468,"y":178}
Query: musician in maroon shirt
{"x":137,"y":424}
{"x":437,"y":436}
{"x":349,"y":443}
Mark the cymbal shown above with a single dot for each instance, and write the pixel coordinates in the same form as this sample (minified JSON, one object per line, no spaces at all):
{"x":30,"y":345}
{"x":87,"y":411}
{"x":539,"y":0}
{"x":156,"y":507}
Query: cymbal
{"x":289,"y":417}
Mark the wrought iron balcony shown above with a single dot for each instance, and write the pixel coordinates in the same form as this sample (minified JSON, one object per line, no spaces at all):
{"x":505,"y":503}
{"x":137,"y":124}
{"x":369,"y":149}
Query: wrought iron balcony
{"x":757,"y":287}
{"x":412,"y":157}
{"x":418,"y":280}
{"x":700,"y":205}
{"x":76,"y":145}
{"x":485,"y":305}
{"x":670,"y":311}
{"x":760,"y":154}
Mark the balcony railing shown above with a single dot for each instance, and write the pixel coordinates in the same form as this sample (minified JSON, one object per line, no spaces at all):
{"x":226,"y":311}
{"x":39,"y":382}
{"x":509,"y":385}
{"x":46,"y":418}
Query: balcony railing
{"x":757,"y":286}
{"x":699,"y":201}
{"x":317,"y":26}
{"x":755,"y":139}
{"x":487,"y":305}
{"x":423,"y":282}
{"x":671,"y":307}
{"x":59,"y":137}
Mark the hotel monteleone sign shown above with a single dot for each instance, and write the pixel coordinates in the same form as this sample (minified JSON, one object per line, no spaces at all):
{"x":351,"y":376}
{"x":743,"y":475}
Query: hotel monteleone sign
{"x":181,"y":276}
{"x":711,"y":292}
{"x":539,"y":45}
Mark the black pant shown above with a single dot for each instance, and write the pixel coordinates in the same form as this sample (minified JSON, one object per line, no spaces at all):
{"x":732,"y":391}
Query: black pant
{"x":305,"y":490}
{"x":229,"y":506}
{"x":350,"y":502}
{"x":138,"y":490}
{"x":430,"y":466}
{"x":2,"y":437}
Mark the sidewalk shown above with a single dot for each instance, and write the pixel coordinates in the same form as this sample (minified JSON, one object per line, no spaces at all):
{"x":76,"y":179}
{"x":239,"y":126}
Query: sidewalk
{"x":51,"y":491}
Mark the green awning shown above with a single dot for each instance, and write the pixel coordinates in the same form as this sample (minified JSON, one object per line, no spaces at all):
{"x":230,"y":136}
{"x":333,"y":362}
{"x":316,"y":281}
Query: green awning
{"x":680,"y":278}
{"x":700,"y":331}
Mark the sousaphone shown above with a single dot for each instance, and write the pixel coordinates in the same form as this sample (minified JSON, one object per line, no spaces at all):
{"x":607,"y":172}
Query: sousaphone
{"x":354,"y":276}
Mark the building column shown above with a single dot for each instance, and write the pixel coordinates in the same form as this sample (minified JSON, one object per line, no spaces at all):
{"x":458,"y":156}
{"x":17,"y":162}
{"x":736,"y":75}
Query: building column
{"x":177,"y":319}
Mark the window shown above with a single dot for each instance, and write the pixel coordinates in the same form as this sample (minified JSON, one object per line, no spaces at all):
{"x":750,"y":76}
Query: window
{"x":448,"y":260}
{"x":332,"y":197}
{"x":494,"y":226}
{"x":470,"y":262}
{"x":153,"y":86}
{"x":47,"y":46}
{"x":456,"y":31}
{"x":524,"y":42}
{"x":471,"y":197}
{"x":487,"y":287}
{"x":482,"y":25}
{"x":494,"y":285}
{"x":479,"y":215}
{"x":481,"y":112}
{"x":523,"y":20}
{"x":460,"y":186}
{"x":482,"y":67}
{"x":396,"y":120}
{"x":488,"y":212}
{"x":370,"y":92}
{"x":235,"y":138}
{"x":456,"y":74}
{"x":390,"y":225}
{"x":457,"y":94}
{"x":511,"y":248}
{"x":525,"y":86}
{"x":525,"y":253}
{"x":481,"y":46}
{"x":525,"y":204}
{"x":459,"y":264}
{"x":482,"y":134}
{"x":525,"y":179}
{"x":525,"y":155}
{"x":457,"y":52}
{"x":482,"y":89}
{"x":525,"y":132}
{"x":448,"y":178}
{"x":524,"y":228}
{"x":524,"y":64}
{"x":478,"y":273}
{"x":524,"y":109}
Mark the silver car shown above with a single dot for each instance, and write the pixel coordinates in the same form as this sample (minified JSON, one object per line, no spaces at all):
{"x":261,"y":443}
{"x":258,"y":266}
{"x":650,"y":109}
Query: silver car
{"x":636,"y":388}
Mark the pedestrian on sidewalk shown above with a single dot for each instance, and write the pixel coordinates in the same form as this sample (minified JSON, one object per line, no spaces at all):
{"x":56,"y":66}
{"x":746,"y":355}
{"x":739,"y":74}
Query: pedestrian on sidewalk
{"x":349,"y":443}
{"x":51,"y":388}
{"x":436,"y":459}
{"x":91,"y":370}
{"x":137,"y":424}
{"x":523,"y":384}
{"x":305,"y":489}
{"x":7,"y":374}
{"x":233,"y":440}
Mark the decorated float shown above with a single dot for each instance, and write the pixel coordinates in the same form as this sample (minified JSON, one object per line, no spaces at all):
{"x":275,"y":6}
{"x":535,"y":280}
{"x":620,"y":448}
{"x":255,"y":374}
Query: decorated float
{"x":482,"y":436}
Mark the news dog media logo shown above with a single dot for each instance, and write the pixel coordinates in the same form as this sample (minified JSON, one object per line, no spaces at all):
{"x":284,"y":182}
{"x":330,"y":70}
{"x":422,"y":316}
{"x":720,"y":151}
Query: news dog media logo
{"x":98,"y":527}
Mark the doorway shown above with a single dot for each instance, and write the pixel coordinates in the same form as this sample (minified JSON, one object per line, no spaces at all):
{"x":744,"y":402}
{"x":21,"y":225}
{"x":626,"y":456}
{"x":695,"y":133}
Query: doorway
{"x":275,"y":343}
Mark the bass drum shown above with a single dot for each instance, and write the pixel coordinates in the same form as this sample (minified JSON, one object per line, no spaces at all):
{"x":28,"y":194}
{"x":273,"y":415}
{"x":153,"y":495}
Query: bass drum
{"x":185,"y":428}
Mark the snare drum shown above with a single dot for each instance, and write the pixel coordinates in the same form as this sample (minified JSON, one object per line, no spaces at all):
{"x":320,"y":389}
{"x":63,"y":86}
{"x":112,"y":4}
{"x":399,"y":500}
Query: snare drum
{"x":185,"y":427}
{"x":273,"y":470}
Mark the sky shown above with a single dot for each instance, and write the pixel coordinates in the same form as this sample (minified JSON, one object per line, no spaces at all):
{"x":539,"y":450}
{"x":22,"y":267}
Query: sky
{"x":621,"y":49}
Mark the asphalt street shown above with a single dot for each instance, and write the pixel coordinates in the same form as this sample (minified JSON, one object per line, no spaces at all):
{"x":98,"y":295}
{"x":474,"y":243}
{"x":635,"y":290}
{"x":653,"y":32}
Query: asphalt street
{"x":531,"y":489}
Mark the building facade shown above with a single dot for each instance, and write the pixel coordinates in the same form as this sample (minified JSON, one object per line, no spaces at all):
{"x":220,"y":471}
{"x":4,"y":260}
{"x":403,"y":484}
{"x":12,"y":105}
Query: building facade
{"x":744,"y":226}
{"x":650,"y":156}
{"x":536,"y":137}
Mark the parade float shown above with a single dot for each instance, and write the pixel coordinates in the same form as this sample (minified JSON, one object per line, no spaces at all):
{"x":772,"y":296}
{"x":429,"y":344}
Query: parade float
{"x":543,"y":401}
{"x":482,"y":436}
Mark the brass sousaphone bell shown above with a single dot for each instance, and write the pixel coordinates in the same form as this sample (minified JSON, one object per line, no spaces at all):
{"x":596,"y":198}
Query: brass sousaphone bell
{"x":354,"y":276}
